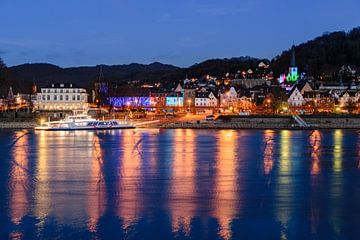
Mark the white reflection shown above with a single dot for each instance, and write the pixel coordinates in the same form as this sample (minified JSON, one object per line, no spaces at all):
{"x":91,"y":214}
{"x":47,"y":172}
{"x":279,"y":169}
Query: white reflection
{"x":336,"y":188}
{"x":284,"y":189}
{"x":338,"y":150}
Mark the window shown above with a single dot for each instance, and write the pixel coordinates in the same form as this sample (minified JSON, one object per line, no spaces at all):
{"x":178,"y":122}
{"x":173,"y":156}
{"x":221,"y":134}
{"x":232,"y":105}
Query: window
{"x":73,"y":97}
{"x":48,"y":97}
{"x":78,"y":97}
{"x":43,"y":97}
{"x":55,"y":97}
{"x":61,"y":97}
{"x":67,"y":97}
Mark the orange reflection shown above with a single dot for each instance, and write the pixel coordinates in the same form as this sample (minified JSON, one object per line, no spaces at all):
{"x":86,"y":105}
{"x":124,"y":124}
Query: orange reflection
{"x":315,"y":141}
{"x":183,"y":205}
{"x":129,"y":206}
{"x":269,"y":151}
{"x":42,"y":195}
{"x":96,"y":192}
{"x":19,"y":179}
{"x":225,"y":184}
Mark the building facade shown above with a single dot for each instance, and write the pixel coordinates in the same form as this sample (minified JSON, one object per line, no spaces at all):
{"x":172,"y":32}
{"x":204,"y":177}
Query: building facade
{"x":62,"y":96}
{"x":205,"y":99}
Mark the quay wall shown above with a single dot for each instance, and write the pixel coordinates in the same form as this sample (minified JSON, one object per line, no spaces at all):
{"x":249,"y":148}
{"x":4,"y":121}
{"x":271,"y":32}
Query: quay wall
{"x":18,"y":125}
{"x":277,"y":122}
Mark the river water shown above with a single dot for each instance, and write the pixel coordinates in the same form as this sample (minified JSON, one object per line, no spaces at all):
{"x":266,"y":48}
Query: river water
{"x":180,"y":184}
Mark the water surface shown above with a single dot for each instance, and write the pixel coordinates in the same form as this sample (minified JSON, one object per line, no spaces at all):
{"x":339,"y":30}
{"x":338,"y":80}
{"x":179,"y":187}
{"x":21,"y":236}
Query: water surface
{"x":180,"y":184}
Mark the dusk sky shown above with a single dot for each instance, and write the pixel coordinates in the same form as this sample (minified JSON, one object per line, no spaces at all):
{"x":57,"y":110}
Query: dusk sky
{"x":179,"y":32}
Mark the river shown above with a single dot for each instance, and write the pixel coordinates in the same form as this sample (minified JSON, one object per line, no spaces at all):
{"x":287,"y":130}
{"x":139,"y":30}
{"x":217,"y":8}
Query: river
{"x":180,"y":184}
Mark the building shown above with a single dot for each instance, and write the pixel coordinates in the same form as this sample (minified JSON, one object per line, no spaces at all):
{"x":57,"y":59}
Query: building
{"x":228,"y":98}
{"x":296,"y":99}
{"x":130,"y":101}
{"x":158,"y":98}
{"x":63,"y":96}
{"x":175,"y":100}
{"x":205,"y":99}
{"x":349,"y":97}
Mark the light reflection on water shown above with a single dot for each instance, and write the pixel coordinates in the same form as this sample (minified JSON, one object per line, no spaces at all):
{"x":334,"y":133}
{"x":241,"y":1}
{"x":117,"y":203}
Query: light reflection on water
{"x":179,"y":184}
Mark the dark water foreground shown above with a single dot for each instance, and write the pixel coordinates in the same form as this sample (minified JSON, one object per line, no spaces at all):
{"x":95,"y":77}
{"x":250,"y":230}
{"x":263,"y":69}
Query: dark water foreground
{"x":180,"y":184}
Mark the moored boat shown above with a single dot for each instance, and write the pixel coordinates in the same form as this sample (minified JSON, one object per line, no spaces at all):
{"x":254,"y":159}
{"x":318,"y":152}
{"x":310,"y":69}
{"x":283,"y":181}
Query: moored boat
{"x":83,"y":122}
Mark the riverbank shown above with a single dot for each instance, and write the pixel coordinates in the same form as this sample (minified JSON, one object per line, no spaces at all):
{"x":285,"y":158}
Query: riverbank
{"x":271,"y":122}
{"x":18,"y":125}
{"x":235,"y":122}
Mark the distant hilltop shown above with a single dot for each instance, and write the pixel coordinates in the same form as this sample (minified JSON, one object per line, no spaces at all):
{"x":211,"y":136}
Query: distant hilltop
{"x":322,"y":57}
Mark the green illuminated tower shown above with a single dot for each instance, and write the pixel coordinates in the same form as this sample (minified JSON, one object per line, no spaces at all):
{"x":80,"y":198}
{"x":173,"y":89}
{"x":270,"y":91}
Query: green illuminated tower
{"x":293,"y":75}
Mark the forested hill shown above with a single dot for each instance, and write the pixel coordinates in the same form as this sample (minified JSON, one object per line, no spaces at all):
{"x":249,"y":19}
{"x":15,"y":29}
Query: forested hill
{"x":325,"y":55}
{"x":321,"y":57}
{"x":23,"y":76}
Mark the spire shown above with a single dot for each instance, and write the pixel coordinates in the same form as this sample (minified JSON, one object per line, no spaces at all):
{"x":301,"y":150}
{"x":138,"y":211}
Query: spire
{"x":293,"y":61}
{"x":10,"y":94}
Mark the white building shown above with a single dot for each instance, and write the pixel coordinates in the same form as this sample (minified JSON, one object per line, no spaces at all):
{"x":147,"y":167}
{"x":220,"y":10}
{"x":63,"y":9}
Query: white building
{"x":62,"y":96}
{"x":296,"y":99}
{"x":205,"y":99}
{"x":349,"y":97}
{"x":228,"y":98}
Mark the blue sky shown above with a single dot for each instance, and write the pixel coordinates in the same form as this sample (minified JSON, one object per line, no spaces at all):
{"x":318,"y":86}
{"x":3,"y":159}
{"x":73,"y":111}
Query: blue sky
{"x":179,"y":32}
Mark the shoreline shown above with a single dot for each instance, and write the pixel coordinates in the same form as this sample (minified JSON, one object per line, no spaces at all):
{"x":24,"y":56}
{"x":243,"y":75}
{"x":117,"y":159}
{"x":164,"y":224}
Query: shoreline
{"x":242,"y":122}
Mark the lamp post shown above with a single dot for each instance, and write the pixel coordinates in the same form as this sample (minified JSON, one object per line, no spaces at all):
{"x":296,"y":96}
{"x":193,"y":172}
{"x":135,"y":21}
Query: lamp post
{"x":189,"y":102}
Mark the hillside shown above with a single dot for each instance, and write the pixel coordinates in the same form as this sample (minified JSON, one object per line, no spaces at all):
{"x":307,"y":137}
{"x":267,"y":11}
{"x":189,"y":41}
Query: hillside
{"x":23,"y":76}
{"x":324,"y":56}
{"x":321,"y":57}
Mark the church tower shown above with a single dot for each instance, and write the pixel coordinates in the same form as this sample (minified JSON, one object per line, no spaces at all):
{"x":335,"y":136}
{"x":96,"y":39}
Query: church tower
{"x":293,"y":75}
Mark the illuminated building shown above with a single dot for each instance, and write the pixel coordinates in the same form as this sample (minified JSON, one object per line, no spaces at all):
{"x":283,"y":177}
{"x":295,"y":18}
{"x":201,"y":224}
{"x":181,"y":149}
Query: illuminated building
{"x":62,"y":96}
{"x":130,"y":101}
{"x":175,"y":100}
{"x":228,"y":98}
{"x":205,"y":99}
{"x":296,"y":99}
{"x":158,"y":98}
{"x":293,"y":75}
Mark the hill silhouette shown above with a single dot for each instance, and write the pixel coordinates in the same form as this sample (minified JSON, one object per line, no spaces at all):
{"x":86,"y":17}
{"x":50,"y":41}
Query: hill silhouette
{"x":322,"y":57}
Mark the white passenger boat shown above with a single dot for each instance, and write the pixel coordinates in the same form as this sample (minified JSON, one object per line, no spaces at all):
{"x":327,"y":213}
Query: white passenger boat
{"x":83,"y":122}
